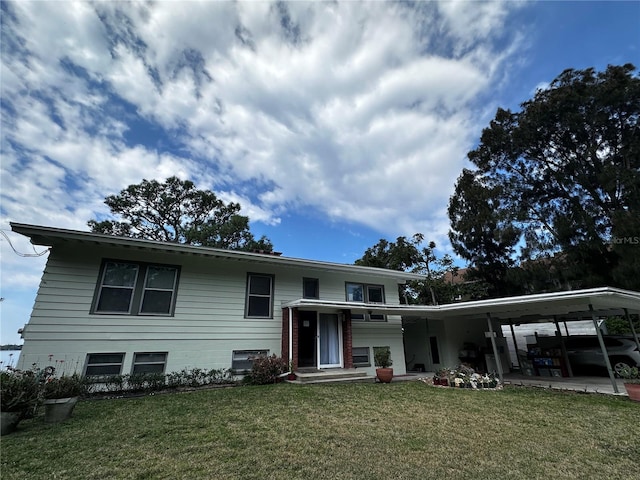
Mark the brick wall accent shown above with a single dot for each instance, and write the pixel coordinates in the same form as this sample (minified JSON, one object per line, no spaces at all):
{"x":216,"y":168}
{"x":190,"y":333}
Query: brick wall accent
{"x":294,"y":344}
{"x":347,"y":340}
{"x":294,"y":335}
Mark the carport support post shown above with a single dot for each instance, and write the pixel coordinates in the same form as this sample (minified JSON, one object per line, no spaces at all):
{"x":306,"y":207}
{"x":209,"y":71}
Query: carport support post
{"x":633,"y":330}
{"x":495,"y":348}
{"x":614,"y":384}
{"x":515,"y":344}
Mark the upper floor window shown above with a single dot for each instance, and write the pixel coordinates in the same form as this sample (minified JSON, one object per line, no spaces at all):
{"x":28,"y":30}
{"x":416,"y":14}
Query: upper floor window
{"x":360,"y":292}
{"x":310,"y":288}
{"x":259,"y":301}
{"x":129,"y":288}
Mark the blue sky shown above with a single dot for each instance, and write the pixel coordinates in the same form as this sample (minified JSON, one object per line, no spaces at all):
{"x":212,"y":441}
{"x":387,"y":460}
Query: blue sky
{"x":333,"y":124}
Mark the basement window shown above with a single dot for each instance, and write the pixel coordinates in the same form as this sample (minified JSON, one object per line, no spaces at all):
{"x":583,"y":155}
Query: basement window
{"x":360,"y":357}
{"x":242,"y":360}
{"x":102,"y":364}
{"x":149,"y":362}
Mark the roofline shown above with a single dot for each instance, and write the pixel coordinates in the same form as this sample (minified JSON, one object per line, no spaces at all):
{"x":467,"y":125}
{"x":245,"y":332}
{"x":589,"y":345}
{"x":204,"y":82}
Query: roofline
{"x":582,"y":298}
{"x":50,"y":236}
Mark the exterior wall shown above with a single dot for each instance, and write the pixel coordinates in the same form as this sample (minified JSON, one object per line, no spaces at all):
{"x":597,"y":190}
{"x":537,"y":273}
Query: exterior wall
{"x":208,"y":323}
{"x":416,"y":343}
{"x":381,"y":334}
{"x":458,"y":332}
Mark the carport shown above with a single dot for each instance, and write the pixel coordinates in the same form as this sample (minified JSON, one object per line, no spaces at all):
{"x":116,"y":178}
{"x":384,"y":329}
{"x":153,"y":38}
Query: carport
{"x":590,"y":304}
{"x":566,"y":306}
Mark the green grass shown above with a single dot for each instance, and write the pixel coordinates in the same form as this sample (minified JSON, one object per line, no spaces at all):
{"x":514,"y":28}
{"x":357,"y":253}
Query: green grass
{"x":401,"y":430}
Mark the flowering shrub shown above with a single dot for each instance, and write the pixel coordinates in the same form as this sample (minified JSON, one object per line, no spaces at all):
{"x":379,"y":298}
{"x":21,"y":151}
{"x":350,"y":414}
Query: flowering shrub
{"x":465,"y":377}
{"x":267,"y":370}
{"x":64,"y":386}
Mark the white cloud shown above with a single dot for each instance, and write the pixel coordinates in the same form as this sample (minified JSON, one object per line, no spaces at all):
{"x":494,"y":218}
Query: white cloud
{"x":364,"y":112}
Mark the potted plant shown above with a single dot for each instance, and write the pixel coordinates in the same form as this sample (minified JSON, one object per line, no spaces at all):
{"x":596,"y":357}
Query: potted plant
{"x":631,"y":379}
{"x":441,"y":377}
{"x":61,"y":395}
{"x":19,"y":398}
{"x":382,"y":358}
{"x":291,"y":375}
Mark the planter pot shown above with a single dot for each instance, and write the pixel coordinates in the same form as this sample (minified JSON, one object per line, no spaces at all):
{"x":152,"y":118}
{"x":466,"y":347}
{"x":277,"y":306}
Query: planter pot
{"x":291,"y":376}
{"x":58,"y":410}
{"x":444,"y":382}
{"x":633,"y":389}
{"x":384,"y":374}
{"x":8,"y":422}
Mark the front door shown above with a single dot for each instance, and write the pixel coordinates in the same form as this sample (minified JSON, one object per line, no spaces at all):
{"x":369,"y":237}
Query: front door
{"x":307,"y":339}
{"x":329,"y":341}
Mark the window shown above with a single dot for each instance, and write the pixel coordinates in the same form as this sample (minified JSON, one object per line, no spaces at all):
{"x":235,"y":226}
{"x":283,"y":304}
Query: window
{"x":153,"y":362}
{"x":360,"y":357}
{"x":259,"y":296}
{"x":359,"y":292}
{"x":99,"y":364}
{"x":310,"y":288}
{"x":136,"y":289}
{"x":242,"y":360}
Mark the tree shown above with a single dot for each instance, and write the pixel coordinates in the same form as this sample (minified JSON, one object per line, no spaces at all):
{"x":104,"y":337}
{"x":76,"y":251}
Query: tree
{"x":407,"y":255}
{"x":560,"y":179}
{"x":481,"y":232}
{"x":175,"y":211}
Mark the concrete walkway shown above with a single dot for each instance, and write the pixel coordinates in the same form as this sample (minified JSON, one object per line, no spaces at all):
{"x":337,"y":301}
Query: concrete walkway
{"x":577,"y":384}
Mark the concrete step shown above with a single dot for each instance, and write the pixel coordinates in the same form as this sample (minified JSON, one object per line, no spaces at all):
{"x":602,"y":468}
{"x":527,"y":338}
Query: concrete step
{"x":330,"y":375}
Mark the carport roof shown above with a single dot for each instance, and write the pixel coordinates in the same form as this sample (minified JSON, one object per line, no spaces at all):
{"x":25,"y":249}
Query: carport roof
{"x":567,"y":305}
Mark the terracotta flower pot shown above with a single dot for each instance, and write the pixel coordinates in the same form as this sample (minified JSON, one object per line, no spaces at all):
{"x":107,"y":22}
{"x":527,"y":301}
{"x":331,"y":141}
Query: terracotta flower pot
{"x":633,"y":389}
{"x":384,"y":374}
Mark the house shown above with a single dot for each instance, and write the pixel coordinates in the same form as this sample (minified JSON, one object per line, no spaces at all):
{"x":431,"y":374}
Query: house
{"x":109,"y":305}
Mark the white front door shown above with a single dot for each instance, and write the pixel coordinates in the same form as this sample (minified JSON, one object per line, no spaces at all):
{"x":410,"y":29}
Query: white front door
{"x":329,"y":341}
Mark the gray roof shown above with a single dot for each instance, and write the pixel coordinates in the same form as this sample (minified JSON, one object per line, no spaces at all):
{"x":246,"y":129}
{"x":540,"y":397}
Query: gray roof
{"x":50,"y":236}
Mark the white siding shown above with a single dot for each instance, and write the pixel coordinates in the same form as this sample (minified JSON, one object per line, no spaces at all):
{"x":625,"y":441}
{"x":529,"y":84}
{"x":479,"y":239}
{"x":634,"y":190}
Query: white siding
{"x":208,"y":323}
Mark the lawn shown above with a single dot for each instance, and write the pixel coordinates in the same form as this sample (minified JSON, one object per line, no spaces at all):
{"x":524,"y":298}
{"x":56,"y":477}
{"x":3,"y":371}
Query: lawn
{"x":401,"y":430}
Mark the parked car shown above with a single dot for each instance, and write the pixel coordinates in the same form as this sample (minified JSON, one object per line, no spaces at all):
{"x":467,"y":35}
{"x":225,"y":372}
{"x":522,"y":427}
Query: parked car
{"x":585,"y":353}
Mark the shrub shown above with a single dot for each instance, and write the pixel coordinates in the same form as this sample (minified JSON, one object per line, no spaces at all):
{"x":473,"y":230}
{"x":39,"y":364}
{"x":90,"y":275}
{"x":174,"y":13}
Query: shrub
{"x":65,"y":386}
{"x":19,"y":392}
{"x":382,"y":357}
{"x":140,"y":382}
{"x":267,"y":370}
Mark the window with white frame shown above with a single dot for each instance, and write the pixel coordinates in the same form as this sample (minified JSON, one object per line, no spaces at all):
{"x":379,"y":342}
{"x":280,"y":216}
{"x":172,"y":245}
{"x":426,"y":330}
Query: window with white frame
{"x":242,"y":360}
{"x":132,"y":288}
{"x":149,"y":362}
{"x":363,"y":293}
{"x":259,"y":301}
{"x":101,"y":364}
{"x":360,"y":356}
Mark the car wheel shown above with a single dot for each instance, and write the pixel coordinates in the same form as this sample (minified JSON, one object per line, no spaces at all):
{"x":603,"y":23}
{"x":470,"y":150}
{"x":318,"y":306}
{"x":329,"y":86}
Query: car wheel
{"x":617,"y":364}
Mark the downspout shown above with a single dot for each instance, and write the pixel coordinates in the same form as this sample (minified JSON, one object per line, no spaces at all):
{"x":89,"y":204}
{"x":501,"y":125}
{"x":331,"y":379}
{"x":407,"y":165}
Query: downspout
{"x":290,"y":337}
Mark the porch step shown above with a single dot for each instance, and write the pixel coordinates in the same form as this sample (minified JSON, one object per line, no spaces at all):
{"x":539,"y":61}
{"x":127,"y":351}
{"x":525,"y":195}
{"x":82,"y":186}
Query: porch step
{"x":331,"y":375}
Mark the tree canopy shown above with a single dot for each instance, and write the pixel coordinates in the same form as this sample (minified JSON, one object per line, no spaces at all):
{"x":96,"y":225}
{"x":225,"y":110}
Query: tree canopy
{"x":557,"y":182}
{"x":408,"y":255}
{"x":176,"y":211}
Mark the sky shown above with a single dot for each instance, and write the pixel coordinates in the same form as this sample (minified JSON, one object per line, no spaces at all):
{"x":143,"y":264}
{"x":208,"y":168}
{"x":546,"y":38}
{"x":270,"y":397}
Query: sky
{"x":333,"y":124}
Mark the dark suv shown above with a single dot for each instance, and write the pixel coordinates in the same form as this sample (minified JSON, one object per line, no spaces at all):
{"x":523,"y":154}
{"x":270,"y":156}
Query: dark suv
{"x":586,"y":355}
